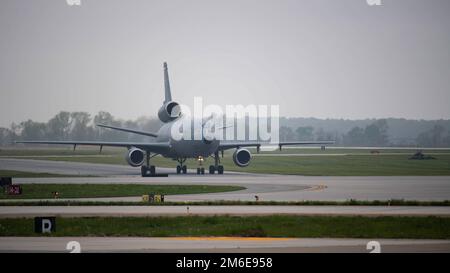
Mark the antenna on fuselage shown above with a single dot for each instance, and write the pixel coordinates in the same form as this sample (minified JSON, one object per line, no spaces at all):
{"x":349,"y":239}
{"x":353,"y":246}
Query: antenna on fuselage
{"x":168,"y":95}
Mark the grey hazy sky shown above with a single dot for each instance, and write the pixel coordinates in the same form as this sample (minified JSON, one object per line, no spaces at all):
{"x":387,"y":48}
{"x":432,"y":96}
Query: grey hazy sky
{"x":326,"y":59}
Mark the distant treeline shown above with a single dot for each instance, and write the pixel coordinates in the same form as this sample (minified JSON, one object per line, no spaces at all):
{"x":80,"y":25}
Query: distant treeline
{"x":77,"y":126}
{"x":367,"y":132}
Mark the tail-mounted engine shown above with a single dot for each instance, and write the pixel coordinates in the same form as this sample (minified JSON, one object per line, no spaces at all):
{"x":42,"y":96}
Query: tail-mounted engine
{"x":169,"y":111}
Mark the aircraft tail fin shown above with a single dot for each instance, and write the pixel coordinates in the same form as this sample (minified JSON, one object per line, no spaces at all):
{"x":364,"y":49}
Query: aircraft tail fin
{"x":168,"y":95}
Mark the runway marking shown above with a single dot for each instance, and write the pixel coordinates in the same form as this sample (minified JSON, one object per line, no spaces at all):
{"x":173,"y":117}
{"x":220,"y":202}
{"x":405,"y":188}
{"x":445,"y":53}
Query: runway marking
{"x":223,"y":238}
{"x":316,"y":188}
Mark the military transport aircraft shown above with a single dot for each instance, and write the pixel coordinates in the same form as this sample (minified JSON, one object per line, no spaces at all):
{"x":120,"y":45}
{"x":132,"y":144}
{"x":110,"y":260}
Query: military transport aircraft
{"x":139,"y":154}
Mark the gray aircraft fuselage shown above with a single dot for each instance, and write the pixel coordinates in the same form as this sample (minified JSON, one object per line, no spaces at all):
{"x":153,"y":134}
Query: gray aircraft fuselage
{"x":185,"y":148}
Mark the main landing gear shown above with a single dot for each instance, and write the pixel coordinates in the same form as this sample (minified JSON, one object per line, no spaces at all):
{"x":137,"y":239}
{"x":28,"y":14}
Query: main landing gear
{"x":181,"y":168}
{"x":216,"y":166}
{"x":147,"y":169}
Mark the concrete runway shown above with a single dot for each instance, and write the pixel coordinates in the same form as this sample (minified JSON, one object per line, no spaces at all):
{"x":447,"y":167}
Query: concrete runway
{"x":122,"y":211}
{"x":217,"y":244}
{"x":267,"y":187}
{"x":65,"y":167}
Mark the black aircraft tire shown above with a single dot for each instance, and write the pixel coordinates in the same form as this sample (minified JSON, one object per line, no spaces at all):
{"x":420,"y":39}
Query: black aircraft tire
{"x":220,"y":169}
{"x":184,"y":169}
{"x":212,"y":169}
{"x":144,"y":171}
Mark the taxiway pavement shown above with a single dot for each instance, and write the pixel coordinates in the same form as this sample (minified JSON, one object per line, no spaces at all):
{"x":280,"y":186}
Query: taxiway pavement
{"x":249,"y":210}
{"x":217,"y":244}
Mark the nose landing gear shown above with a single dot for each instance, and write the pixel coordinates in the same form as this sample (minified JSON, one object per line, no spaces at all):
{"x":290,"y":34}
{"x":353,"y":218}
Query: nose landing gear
{"x":200,"y":169}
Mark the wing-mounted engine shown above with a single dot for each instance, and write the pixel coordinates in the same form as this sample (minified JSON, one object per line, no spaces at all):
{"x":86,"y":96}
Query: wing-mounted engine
{"x":169,"y":111}
{"x":242,"y":157}
{"x":135,"y":157}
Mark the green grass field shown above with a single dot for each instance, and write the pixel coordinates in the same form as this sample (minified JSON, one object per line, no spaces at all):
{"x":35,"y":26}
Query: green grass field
{"x":257,"y":226}
{"x":44,"y":191}
{"x":356,"y":163}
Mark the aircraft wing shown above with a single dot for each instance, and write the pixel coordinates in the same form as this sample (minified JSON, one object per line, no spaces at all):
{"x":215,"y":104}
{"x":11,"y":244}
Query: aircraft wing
{"x":155,"y":147}
{"x":232,"y":144}
{"x":128,"y":130}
